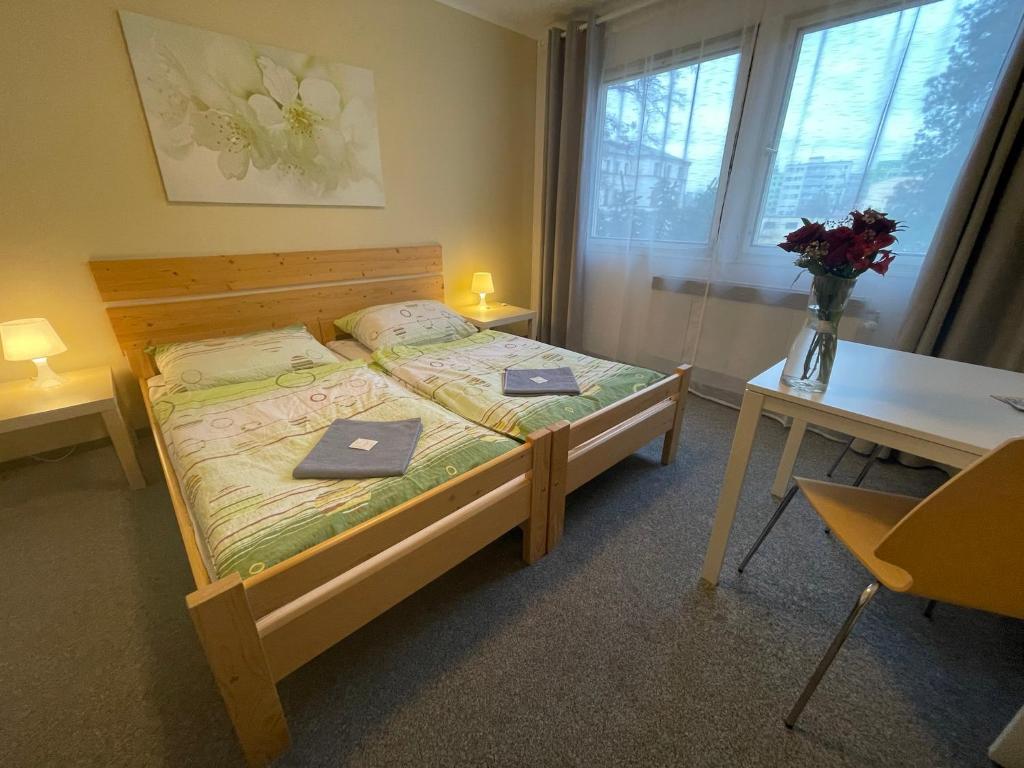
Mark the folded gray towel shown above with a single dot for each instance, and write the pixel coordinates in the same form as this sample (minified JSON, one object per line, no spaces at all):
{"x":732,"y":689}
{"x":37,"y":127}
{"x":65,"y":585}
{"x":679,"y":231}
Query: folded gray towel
{"x":351,"y":450}
{"x":539,"y":381}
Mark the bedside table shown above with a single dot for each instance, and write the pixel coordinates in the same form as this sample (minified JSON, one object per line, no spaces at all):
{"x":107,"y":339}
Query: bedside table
{"x":497,"y":315}
{"x":84,"y":392}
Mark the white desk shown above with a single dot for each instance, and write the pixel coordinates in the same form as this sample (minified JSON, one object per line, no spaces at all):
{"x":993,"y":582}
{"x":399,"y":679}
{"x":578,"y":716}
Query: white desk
{"x":84,"y":392}
{"x":938,"y":409}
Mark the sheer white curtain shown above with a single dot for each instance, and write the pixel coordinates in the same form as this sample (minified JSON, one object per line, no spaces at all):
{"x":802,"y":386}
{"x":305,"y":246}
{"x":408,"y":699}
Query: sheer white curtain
{"x":721,"y":124}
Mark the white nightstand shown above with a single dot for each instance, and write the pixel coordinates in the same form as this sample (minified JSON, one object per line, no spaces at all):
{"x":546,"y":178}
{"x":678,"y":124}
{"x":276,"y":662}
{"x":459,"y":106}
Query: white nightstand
{"x":497,"y":315}
{"x":90,"y":390}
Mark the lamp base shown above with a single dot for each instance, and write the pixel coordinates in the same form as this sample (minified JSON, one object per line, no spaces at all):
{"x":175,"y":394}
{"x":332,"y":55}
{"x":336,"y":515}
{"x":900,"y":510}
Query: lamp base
{"x":483,"y":302}
{"x":45,"y":377}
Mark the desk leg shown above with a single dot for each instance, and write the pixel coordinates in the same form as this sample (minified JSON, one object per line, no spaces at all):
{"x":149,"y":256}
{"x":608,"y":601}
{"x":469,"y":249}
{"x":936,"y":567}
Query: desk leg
{"x":729,"y":496}
{"x":124,"y":445}
{"x":789,"y":453}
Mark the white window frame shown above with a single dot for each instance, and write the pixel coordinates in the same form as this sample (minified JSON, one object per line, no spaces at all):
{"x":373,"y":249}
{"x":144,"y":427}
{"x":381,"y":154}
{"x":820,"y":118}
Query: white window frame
{"x":768,"y":59}
{"x":740,"y":42}
{"x":772,"y":76}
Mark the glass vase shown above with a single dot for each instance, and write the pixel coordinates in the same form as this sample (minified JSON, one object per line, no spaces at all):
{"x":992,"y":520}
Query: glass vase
{"x":813,"y":352}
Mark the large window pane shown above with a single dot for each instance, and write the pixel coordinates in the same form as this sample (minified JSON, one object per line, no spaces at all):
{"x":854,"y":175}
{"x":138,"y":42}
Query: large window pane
{"x":661,"y":152}
{"x":882,"y":112}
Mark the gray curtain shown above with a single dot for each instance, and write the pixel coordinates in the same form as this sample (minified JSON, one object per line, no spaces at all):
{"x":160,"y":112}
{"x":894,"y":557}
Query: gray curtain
{"x":573,"y":76}
{"x":968,"y":304}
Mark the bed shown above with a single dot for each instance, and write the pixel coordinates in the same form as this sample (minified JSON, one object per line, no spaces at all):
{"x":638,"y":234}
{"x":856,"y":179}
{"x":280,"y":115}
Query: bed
{"x":261,"y":614}
{"x":620,"y":408}
{"x":233,"y":448}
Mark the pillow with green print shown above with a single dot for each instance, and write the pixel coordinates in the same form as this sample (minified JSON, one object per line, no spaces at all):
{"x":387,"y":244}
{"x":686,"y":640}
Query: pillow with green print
{"x":406,"y":322}
{"x":194,"y":365}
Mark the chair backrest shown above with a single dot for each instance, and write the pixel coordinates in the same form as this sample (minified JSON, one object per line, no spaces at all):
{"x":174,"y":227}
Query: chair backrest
{"x":964,"y":544}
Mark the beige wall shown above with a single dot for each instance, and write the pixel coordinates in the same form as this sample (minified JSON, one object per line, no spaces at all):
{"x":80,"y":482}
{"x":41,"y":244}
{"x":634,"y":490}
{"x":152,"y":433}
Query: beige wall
{"x":78,"y":177}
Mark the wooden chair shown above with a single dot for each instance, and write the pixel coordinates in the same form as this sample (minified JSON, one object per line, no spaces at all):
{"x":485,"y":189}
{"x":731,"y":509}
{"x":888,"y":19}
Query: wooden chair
{"x":959,"y":545}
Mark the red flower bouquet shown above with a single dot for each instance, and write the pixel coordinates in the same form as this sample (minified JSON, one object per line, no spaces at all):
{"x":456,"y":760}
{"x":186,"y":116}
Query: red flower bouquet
{"x":836,"y":255}
{"x":848,"y":249}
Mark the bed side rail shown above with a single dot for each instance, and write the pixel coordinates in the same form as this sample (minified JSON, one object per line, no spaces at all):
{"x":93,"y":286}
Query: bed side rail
{"x":594,"y":424}
{"x":284,"y":582}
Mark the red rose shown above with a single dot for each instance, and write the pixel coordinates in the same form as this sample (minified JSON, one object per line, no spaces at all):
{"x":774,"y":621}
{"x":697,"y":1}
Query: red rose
{"x":883,"y":241}
{"x":862,"y":261}
{"x":873,"y":220}
{"x":843,"y":246}
{"x":881,"y":266}
{"x":884,"y":225}
{"x":807,"y":234}
{"x":863,"y":252}
{"x":859,"y":221}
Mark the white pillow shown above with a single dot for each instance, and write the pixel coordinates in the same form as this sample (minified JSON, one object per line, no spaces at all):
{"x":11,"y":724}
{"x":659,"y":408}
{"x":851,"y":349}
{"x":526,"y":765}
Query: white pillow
{"x":350,"y":349}
{"x":194,"y":365}
{"x":157,"y":387}
{"x":407,"y":322}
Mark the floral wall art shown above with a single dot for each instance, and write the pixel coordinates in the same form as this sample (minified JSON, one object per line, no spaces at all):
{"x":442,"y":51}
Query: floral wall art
{"x":238,"y":122}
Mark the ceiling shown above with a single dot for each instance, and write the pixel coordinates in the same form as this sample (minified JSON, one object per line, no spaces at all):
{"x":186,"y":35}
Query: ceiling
{"x":530,"y":17}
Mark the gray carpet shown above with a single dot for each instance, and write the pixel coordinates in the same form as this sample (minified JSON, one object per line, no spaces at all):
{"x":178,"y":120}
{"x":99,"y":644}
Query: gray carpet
{"x":604,"y":653}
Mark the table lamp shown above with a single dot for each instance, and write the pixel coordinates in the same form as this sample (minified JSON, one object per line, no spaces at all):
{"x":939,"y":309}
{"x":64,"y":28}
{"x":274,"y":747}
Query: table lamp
{"x":482,"y":284}
{"x":33,"y":339}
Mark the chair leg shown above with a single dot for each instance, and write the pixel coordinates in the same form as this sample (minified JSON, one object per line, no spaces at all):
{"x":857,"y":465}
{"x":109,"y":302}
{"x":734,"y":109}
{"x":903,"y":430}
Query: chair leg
{"x":929,"y":609}
{"x":830,"y":654}
{"x":872,"y":458}
{"x":835,"y":464}
{"x":771,"y":524}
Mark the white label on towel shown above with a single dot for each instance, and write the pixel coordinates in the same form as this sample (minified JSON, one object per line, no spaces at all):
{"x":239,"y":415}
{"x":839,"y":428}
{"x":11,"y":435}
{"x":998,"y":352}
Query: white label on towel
{"x":362,"y":444}
{"x":538,"y":380}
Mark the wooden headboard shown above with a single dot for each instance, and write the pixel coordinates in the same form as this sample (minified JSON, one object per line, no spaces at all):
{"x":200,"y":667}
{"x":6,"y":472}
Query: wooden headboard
{"x":155,"y":301}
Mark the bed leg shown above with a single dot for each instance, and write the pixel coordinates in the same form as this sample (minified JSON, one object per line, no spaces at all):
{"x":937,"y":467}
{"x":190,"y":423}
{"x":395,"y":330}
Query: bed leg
{"x":559,"y":470}
{"x":535,"y":529}
{"x":228,"y":634}
{"x":668,"y":448}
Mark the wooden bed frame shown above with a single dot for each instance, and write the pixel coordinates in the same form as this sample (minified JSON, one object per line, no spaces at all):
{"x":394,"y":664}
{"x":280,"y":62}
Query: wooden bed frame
{"x":257,"y":630}
{"x":603,"y":438}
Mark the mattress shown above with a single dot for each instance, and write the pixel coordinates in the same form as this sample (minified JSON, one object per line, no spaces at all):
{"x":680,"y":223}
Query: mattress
{"x":465,"y":377}
{"x":234,"y":447}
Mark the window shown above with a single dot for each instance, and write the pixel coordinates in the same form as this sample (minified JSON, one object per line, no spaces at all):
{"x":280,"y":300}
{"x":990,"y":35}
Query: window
{"x":672,"y":127}
{"x":851,"y":104}
{"x":882,"y":111}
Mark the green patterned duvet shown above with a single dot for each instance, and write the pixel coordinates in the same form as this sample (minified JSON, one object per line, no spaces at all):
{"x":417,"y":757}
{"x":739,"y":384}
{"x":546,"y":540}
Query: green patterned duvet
{"x":234,"y":447}
{"x":465,"y":376}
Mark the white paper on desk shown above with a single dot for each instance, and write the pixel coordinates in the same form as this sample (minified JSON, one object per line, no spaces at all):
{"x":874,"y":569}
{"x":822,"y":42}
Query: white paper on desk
{"x":1013,"y":402}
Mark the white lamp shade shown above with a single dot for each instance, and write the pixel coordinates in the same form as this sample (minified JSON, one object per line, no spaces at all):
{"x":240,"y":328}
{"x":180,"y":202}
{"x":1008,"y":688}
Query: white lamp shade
{"x":482,"y":283}
{"x":29,"y":339}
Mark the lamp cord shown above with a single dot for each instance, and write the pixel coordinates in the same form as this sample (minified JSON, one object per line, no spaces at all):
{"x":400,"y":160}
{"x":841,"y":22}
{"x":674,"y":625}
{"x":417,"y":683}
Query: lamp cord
{"x":54,"y":460}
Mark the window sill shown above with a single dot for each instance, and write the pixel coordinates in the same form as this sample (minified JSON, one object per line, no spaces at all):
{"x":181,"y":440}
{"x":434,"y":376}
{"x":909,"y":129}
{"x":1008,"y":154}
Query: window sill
{"x":750,"y":294}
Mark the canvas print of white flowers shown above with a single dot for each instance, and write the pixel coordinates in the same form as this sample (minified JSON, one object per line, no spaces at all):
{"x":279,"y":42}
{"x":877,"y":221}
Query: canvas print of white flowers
{"x":238,"y":122}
